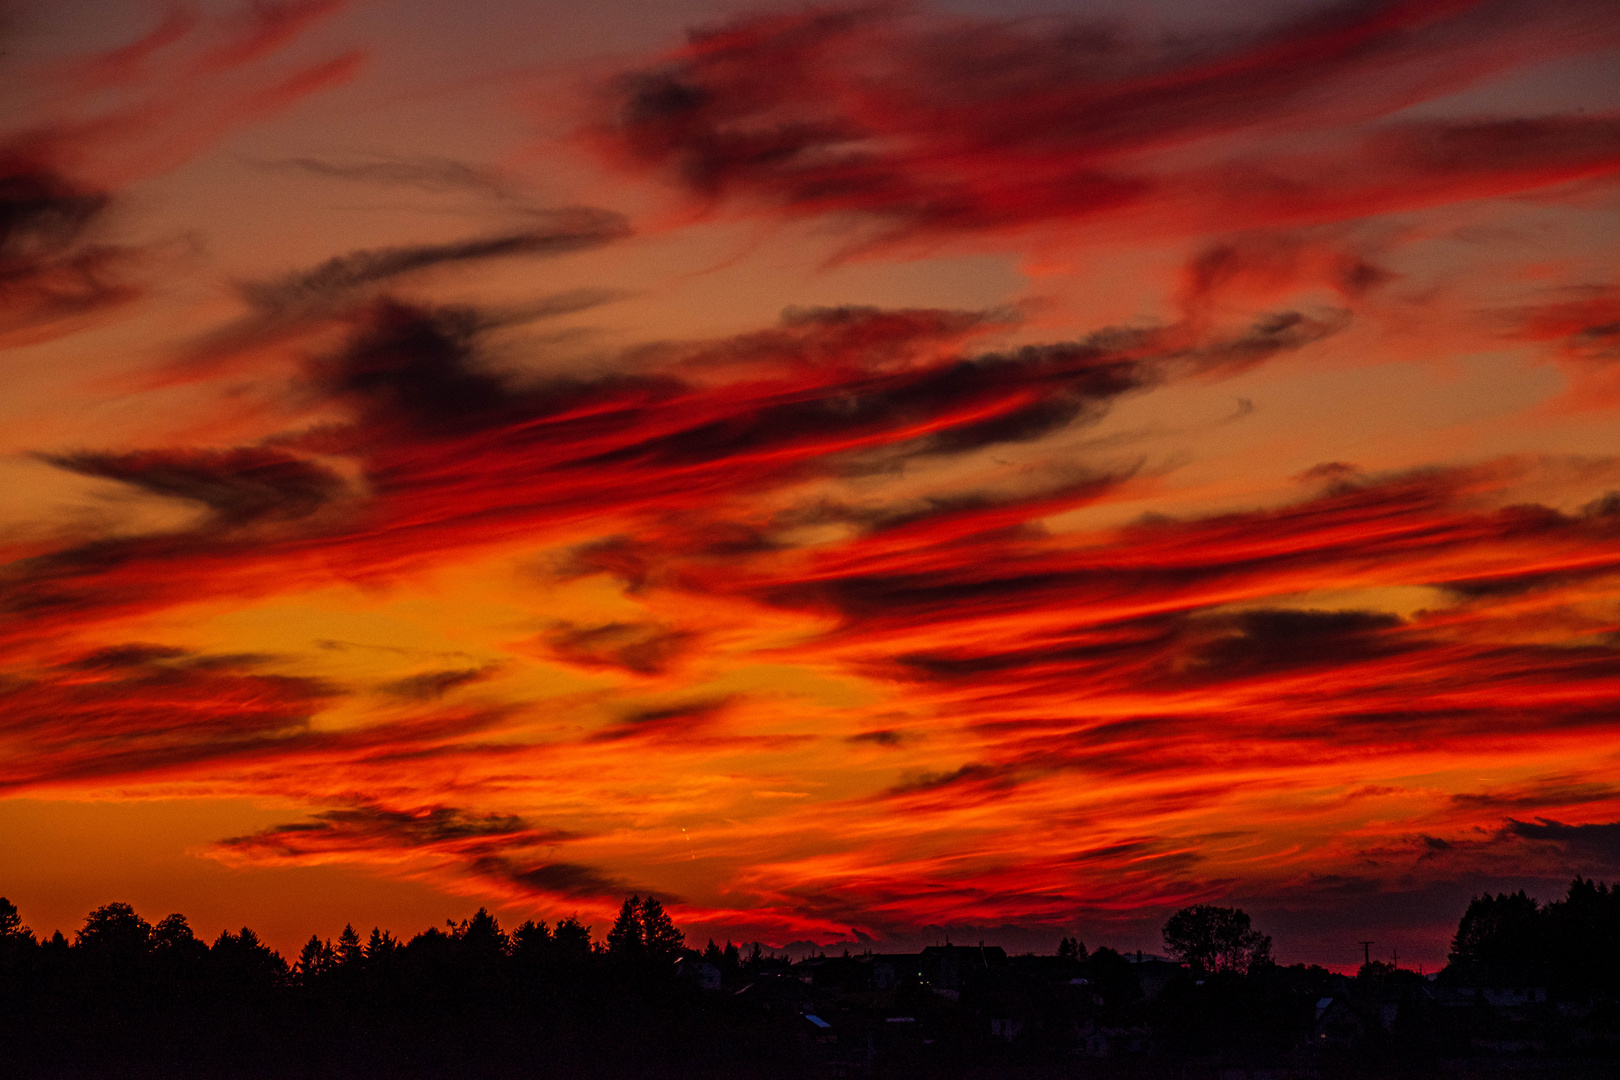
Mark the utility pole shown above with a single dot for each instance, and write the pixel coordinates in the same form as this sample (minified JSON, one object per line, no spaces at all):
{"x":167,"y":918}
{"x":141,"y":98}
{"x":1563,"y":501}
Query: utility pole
{"x":1366,"y":951}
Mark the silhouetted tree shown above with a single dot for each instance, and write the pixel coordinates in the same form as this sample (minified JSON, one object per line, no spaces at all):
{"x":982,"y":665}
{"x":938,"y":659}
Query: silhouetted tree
{"x":661,"y":941}
{"x":482,"y":936}
{"x":1583,"y":936}
{"x":380,"y":947}
{"x":11,"y":922}
{"x":1112,"y":979}
{"x":626,"y":940}
{"x":176,"y":950}
{"x":1210,"y":939}
{"x":17,"y":950}
{"x":349,"y":953}
{"x":244,"y":962}
{"x":1500,"y":938}
{"x":1071,"y":949}
{"x":316,"y":960}
{"x":571,"y":942}
{"x":114,"y":931}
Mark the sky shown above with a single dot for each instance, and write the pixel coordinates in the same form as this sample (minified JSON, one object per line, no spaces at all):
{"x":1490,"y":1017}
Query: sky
{"x":867,"y":475}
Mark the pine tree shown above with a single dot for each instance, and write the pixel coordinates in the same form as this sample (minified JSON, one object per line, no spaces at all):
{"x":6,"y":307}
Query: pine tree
{"x":662,"y":942}
{"x":626,"y":941}
{"x":380,"y":946}
{"x":11,"y":922}
{"x":349,"y":953}
{"x":315,"y":961}
{"x":482,"y":935}
{"x":571,"y":942}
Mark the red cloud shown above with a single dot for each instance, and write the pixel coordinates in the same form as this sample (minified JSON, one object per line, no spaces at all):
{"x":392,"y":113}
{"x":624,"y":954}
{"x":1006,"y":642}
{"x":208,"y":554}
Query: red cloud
{"x":455,"y":458}
{"x":932,"y":127}
{"x":1013,"y":669}
{"x":148,"y":106}
{"x":132,"y":711}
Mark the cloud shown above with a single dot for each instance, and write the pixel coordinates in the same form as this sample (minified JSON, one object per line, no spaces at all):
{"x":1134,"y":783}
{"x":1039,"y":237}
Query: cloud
{"x":1543,"y":794}
{"x":428,"y":174}
{"x":239,"y":486}
{"x":878,"y":737}
{"x":264,"y":28}
{"x":1149,"y":650}
{"x":674,"y":722}
{"x":1597,"y":843}
{"x":931,"y":126}
{"x":1274,"y":640}
{"x":316,"y":290}
{"x":179,"y":89}
{"x":974,"y":774}
{"x":1581,"y":330}
{"x":432,"y":685}
{"x":374,"y":830}
{"x":52,"y":278}
{"x":562,"y":880}
{"x":643,"y":648}
{"x":496,"y":849}
{"x":97,"y":123}
{"x":125,"y":711}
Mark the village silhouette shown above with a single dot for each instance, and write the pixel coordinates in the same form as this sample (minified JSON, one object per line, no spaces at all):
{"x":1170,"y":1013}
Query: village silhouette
{"x":1530,"y":990}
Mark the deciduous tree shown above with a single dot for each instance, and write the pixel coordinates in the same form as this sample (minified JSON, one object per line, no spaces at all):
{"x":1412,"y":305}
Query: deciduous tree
{"x":1216,"y":939}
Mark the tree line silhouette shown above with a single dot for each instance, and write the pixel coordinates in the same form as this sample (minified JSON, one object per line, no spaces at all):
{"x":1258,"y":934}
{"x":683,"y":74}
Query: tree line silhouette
{"x":1509,"y":939}
{"x":125,"y":997}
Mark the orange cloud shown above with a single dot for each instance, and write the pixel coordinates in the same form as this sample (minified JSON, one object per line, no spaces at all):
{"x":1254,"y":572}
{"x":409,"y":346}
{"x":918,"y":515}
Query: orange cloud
{"x":770,"y":623}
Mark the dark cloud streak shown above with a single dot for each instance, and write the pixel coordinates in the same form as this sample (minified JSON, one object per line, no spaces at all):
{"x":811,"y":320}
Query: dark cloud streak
{"x":315,"y":290}
{"x":935,"y":126}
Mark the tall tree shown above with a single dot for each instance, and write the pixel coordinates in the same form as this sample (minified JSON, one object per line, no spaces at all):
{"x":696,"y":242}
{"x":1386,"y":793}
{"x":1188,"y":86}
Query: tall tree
{"x":1501,"y":939}
{"x":661,"y":940}
{"x":482,"y":935}
{"x":315,"y":961}
{"x":626,"y":940}
{"x":176,"y":947}
{"x":11,"y":922}
{"x":349,"y":952}
{"x":571,"y":942}
{"x":1216,"y":939}
{"x":114,"y":934}
{"x":380,"y":946}
{"x":246,"y":961}
{"x":1583,"y":936}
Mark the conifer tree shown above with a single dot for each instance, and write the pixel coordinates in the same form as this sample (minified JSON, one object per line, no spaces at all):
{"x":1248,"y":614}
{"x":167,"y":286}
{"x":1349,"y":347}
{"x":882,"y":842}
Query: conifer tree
{"x":662,"y":942}
{"x":571,"y":942}
{"x":315,"y":961}
{"x":349,"y":952}
{"x":380,"y":945}
{"x":10,"y":921}
{"x":626,"y":941}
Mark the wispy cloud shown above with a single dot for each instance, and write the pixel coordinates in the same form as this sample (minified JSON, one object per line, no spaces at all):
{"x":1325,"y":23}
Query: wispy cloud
{"x":932,"y":126}
{"x":865,"y":617}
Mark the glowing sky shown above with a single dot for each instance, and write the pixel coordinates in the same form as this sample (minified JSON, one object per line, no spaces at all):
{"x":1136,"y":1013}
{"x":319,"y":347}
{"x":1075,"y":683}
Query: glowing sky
{"x":860,"y":473}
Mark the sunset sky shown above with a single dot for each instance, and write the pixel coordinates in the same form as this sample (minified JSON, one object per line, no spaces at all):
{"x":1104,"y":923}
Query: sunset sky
{"x":863,"y":474}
